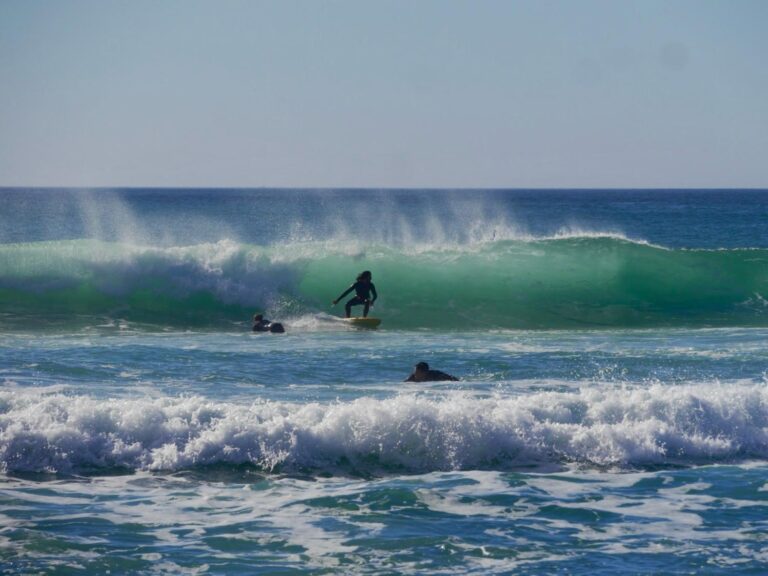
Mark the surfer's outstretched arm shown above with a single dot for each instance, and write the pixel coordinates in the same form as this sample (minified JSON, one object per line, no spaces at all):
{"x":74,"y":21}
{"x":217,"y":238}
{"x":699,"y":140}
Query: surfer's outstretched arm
{"x":347,"y":291}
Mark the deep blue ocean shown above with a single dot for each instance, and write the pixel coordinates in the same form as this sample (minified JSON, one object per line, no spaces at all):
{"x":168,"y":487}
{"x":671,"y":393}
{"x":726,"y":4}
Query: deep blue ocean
{"x":611,"y":415}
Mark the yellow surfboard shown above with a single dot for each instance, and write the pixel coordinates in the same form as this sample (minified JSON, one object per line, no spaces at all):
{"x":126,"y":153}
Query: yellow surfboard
{"x":359,"y":322}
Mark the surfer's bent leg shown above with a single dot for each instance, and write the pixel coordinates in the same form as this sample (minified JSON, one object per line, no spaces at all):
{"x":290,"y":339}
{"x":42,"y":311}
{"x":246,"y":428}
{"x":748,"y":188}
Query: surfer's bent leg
{"x":348,"y":306}
{"x":356,"y":301}
{"x":365,"y":310}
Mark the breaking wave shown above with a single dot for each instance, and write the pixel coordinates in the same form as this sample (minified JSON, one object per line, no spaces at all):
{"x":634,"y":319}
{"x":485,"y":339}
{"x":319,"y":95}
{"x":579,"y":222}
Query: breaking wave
{"x":566,"y":281}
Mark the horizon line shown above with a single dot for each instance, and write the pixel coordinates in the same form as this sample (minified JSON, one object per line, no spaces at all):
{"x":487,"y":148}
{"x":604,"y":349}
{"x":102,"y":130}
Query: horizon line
{"x":392,"y":188}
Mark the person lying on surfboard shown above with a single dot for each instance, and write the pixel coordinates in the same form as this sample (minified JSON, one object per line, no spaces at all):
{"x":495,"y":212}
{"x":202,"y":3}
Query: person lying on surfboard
{"x":422,"y":373}
{"x":261,"y":324}
{"x":363,"y":288}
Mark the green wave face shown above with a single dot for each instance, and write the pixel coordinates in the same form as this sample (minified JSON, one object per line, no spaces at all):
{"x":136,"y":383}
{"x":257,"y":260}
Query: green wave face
{"x":581,"y":282}
{"x":511,"y":284}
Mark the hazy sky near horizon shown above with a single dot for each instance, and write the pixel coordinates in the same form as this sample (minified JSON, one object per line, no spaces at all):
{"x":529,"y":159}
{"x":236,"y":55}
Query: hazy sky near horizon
{"x":424,"y":93}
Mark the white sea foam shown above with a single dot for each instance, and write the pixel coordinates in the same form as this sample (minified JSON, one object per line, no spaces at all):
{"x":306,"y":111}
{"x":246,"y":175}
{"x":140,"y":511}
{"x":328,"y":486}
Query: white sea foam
{"x":41,"y":431}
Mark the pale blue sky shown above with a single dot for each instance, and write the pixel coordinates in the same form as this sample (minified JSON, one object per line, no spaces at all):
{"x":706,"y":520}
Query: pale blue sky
{"x":589,"y":93}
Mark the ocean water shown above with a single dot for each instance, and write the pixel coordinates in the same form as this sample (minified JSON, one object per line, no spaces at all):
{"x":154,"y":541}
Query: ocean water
{"x":611,"y":417}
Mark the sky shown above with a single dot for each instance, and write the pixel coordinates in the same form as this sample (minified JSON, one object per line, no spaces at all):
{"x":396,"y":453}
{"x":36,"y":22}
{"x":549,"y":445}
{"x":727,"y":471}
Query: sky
{"x":416,"y":93}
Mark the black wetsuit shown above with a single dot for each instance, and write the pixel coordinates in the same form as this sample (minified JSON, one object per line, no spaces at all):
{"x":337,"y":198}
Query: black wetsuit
{"x":363,"y":291}
{"x":267,"y":326}
{"x":431,"y":376}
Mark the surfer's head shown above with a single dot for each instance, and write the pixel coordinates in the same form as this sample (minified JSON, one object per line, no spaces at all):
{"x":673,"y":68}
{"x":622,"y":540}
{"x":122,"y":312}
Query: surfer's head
{"x":258,"y":317}
{"x":364,"y":275}
{"x":422,"y":367}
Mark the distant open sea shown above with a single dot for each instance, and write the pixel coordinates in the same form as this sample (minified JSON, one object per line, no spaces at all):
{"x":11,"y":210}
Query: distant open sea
{"x":611,"y":415}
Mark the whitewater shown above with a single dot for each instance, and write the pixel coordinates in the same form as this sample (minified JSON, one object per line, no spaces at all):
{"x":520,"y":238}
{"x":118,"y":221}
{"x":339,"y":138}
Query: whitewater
{"x":611,"y":414}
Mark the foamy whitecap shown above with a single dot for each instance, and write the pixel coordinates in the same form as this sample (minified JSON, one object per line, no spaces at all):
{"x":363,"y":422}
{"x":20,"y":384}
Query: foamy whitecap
{"x":411,"y":433}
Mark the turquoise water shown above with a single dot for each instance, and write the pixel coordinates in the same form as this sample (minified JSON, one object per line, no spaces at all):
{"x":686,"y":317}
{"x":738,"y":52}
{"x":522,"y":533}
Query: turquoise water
{"x":612,"y":412}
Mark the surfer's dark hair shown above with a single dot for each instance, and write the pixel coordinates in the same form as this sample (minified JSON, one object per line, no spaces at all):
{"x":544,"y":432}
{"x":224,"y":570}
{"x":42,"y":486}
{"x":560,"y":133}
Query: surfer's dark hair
{"x":422,"y":366}
{"x":364,"y":274}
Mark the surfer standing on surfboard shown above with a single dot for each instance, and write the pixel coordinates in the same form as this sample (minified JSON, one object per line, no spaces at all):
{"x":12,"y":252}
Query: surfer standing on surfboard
{"x":363,"y":288}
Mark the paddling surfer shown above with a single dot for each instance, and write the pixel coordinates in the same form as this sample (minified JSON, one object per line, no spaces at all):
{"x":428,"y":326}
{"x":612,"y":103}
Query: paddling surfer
{"x":422,"y":373}
{"x":261,"y":324}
